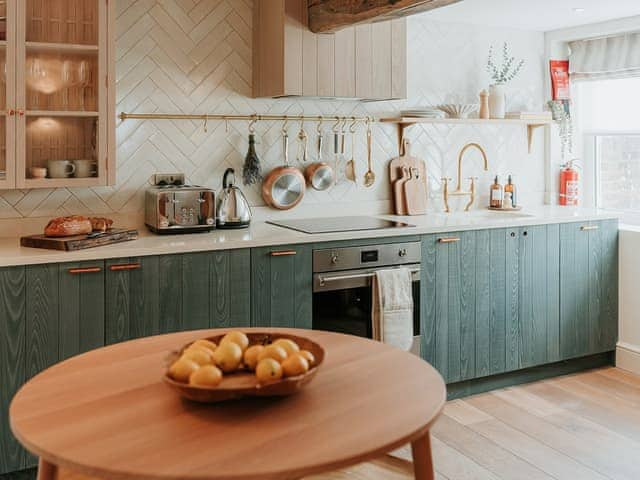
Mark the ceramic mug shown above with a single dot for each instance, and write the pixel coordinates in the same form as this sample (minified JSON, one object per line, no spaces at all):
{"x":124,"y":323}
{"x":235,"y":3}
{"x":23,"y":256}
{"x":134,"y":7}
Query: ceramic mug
{"x":61,"y":168}
{"x":85,"y":168}
{"x":38,"y":172}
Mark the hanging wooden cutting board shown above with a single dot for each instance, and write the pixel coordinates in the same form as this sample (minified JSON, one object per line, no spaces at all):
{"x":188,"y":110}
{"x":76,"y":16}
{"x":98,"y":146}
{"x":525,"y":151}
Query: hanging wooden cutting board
{"x":399,"y":198}
{"x":409,"y":161}
{"x":79,"y":242}
{"x":415,"y":194}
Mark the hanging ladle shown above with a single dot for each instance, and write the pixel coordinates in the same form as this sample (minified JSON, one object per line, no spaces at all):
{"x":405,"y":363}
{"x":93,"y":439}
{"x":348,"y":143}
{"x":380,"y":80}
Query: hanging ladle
{"x":369,"y":176}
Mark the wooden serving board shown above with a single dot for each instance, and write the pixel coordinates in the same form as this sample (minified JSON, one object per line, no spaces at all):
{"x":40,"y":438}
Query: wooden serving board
{"x":395,"y":172}
{"x":79,"y":242}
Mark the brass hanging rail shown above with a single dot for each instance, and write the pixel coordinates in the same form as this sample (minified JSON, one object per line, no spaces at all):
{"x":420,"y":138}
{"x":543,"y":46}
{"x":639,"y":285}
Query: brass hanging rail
{"x":255,"y":118}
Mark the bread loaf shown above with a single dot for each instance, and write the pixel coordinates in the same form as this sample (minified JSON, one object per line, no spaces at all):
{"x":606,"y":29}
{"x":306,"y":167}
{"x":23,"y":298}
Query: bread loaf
{"x":68,"y":226}
{"x":100,"y":224}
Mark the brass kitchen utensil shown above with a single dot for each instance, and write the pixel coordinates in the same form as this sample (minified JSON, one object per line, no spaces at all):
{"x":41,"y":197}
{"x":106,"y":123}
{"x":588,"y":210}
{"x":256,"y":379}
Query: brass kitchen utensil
{"x":350,"y":167}
{"x":369,"y":176}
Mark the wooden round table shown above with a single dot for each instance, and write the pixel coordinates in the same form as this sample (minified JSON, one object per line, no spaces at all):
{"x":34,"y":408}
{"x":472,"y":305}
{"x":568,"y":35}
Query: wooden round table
{"x":107,"y":414}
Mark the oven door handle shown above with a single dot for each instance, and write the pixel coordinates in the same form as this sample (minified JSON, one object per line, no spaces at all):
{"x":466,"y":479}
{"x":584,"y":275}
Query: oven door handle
{"x":323,"y":280}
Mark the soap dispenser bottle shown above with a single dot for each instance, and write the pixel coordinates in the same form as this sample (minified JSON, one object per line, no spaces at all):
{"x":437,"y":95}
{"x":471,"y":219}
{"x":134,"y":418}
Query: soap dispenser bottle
{"x":511,"y":188}
{"x":496,"y":194}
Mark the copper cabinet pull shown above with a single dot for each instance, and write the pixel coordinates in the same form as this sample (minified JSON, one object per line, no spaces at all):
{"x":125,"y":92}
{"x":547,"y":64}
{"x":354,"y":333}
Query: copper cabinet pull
{"x":585,"y":228}
{"x":283,"y":253}
{"x":77,"y":271}
{"x":21,"y":113}
{"x":125,"y":266}
{"x":11,"y":112}
{"x":448,"y":239}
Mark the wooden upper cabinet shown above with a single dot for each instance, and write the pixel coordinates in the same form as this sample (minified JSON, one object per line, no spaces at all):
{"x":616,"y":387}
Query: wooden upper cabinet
{"x":57,"y":93}
{"x":290,"y":60}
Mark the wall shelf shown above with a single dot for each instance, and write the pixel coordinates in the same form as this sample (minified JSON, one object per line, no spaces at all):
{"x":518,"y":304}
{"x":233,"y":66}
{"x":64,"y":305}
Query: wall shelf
{"x":404,"y":122}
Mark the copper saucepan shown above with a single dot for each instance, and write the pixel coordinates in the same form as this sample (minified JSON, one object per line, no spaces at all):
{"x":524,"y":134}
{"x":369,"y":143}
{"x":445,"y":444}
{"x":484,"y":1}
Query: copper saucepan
{"x":284,"y":187}
{"x":320,"y":175}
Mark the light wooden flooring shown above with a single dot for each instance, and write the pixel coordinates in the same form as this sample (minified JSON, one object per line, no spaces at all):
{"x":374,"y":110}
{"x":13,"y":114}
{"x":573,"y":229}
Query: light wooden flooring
{"x":578,"y":427}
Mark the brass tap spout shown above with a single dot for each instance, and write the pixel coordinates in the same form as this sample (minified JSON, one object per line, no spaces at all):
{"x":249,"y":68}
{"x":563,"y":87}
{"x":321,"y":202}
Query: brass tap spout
{"x":461,"y":155}
{"x":458,"y":191}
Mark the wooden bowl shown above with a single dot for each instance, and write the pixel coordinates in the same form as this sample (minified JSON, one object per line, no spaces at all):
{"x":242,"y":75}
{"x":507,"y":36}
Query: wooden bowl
{"x":243,"y":383}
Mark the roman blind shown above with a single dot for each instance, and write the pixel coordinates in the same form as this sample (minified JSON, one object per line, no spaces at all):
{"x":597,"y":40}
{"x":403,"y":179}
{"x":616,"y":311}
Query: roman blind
{"x":616,"y":56}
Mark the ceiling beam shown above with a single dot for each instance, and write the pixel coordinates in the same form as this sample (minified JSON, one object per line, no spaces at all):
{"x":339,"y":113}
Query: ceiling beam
{"x":327,"y":16}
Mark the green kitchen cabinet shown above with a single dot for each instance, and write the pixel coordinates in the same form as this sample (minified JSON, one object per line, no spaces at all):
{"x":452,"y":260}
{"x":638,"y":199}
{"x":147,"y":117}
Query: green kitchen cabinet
{"x":588,"y":288}
{"x":81,"y":307}
{"x":490,"y":300}
{"x":448,"y":303}
{"x":170,"y":293}
{"x":281,"y":286}
{"x":13,"y":365}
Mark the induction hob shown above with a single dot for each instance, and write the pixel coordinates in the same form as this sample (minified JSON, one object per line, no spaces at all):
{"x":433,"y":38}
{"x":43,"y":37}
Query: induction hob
{"x":338,"y":224}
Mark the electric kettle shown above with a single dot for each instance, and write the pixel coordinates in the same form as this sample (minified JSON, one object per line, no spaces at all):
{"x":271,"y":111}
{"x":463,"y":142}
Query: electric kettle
{"x":233,"y":209}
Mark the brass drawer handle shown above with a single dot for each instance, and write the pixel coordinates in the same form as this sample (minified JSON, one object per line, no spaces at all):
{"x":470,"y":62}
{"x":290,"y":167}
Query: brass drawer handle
{"x":123,"y":267}
{"x":284,"y":253}
{"x":585,"y":228}
{"x":78,"y":271}
{"x":449,"y":240}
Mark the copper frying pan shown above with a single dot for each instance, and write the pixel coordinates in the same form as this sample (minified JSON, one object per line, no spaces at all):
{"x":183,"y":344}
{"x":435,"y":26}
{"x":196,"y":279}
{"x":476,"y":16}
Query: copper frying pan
{"x":284,"y":187}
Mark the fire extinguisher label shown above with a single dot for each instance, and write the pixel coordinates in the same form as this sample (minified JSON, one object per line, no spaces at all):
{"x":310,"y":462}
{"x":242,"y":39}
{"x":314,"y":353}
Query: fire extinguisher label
{"x":572,"y":192}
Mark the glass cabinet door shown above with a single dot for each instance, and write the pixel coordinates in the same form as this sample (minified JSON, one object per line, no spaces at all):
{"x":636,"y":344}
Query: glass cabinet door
{"x":7,"y":93}
{"x":62,"y":118}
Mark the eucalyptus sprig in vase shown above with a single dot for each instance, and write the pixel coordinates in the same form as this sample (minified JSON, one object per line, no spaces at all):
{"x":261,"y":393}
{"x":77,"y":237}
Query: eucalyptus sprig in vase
{"x":500,"y":76}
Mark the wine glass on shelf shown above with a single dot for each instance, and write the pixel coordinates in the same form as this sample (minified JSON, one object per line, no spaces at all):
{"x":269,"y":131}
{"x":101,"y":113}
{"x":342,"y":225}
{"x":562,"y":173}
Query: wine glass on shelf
{"x":68,"y":77}
{"x":83,"y":80}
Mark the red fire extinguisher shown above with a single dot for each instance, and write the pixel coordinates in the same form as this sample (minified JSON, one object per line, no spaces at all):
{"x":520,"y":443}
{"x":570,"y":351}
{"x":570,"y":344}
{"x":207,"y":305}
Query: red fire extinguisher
{"x":569,"y":181}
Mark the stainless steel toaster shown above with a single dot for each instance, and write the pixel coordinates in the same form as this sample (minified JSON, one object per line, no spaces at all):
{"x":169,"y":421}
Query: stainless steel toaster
{"x":171,"y":209}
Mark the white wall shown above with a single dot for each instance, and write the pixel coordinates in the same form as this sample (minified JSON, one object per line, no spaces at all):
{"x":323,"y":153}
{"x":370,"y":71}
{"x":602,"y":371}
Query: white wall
{"x":185,"y":56}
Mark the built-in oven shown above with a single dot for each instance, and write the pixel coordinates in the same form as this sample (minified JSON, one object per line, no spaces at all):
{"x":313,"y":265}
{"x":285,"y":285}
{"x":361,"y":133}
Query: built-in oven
{"x":342,"y":292}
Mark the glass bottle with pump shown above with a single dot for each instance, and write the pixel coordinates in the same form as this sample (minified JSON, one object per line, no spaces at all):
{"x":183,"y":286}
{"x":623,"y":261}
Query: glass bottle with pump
{"x":511,"y":188}
{"x":496,"y":195}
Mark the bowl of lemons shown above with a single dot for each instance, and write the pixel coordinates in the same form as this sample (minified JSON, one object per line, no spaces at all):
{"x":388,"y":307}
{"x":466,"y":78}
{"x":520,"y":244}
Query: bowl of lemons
{"x":238,"y":364}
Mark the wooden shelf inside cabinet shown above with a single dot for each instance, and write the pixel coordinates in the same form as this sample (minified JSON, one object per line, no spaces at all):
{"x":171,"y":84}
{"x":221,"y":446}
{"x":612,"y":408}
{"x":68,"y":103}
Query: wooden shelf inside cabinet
{"x":63,"y":182}
{"x":3,"y":43}
{"x":61,"y":47}
{"x":404,"y":122}
{"x":60,"y":113}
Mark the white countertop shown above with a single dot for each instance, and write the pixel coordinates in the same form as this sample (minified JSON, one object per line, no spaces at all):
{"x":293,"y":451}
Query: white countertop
{"x":261,"y":234}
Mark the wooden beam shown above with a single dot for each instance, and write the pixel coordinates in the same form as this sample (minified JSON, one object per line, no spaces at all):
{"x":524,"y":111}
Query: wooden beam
{"x":327,"y":16}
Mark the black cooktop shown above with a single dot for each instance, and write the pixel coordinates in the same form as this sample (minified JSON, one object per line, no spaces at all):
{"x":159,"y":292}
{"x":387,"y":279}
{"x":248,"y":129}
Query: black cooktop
{"x":338,"y":224}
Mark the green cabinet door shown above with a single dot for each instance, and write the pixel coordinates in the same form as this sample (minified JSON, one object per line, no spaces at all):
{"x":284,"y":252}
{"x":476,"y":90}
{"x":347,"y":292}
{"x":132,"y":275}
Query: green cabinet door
{"x":12,"y":360}
{"x":588,"y":288}
{"x":170,"y":293}
{"x":448,"y":302}
{"x":81,"y":306}
{"x":281,"y":286}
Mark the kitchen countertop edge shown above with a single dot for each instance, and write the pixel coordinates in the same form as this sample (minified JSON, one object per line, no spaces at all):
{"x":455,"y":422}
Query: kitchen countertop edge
{"x":261,"y":234}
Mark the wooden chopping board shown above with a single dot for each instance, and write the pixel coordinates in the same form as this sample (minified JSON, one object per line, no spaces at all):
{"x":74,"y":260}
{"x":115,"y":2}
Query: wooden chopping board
{"x":406,"y":160}
{"x":415,"y":194}
{"x":79,"y":242}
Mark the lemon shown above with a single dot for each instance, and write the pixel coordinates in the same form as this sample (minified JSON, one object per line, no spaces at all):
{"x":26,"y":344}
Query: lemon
{"x":309,"y":356}
{"x":228,"y":356}
{"x":238,"y":338}
{"x":268,"y":370}
{"x":276,"y":352}
{"x":204,"y":343}
{"x":296,"y":364}
{"x":201,"y":356}
{"x":207,"y":376}
{"x":289,"y":346}
{"x":251,"y":356}
{"x":182,"y":369}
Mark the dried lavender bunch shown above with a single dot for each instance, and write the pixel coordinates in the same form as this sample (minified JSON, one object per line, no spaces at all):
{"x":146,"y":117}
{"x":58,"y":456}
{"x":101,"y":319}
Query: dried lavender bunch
{"x":509,"y":68}
{"x":251,"y":170}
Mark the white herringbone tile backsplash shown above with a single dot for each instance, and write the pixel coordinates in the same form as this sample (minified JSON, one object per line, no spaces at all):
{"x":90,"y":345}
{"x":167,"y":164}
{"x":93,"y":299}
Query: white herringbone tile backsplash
{"x":195,"y":56}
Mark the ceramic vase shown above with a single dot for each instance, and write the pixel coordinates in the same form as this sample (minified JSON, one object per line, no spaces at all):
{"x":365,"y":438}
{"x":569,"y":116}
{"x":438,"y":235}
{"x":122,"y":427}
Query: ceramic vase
{"x":497,"y":101}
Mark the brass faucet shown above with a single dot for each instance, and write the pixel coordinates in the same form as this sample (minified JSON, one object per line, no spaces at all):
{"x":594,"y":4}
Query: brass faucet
{"x":458,"y":191}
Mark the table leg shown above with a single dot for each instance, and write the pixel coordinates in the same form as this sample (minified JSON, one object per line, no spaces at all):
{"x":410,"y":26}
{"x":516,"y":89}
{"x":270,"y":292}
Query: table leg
{"x":422,"y":459}
{"x":46,"y":470}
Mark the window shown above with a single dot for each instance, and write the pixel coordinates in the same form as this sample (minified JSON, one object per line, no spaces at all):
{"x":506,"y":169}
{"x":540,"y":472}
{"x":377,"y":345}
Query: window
{"x":608,"y":116}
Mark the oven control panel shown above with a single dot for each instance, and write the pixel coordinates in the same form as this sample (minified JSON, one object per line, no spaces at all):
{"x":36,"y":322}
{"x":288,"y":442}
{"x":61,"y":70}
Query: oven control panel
{"x":366,"y":256}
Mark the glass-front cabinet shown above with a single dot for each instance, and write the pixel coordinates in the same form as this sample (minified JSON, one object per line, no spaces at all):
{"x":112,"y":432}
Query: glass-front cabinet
{"x":57,"y":93}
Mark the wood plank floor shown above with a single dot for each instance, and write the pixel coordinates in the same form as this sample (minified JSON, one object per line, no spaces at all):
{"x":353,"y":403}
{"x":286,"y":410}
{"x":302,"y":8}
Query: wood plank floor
{"x":577,"y":427}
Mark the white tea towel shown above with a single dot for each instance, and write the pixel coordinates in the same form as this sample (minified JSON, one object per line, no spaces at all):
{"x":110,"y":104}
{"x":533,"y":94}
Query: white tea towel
{"x":392,"y":312}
